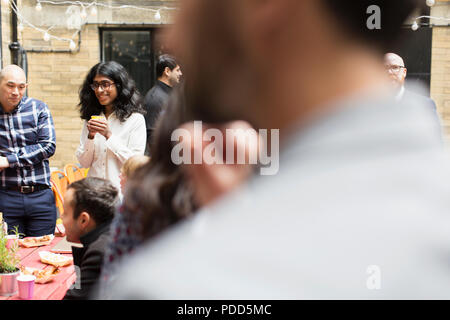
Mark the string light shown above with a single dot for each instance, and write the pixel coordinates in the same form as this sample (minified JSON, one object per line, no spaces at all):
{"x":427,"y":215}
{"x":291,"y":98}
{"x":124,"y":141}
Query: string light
{"x":157,"y":16}
{"x":26,"y":22}
{"x":93,"y":11}
{"x":72,"y":45}
{"x":415,"y":26}
{"x":100,"y":4}
{"x":83,"y":13}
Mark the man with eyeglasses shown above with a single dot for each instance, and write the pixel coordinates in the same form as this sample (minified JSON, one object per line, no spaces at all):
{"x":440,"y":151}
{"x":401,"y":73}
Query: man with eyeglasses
{"x":27,"y":141}
{"x":395,"y":67}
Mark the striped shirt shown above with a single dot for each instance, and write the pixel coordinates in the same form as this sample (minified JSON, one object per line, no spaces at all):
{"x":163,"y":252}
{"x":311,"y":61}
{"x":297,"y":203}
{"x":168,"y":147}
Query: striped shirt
{"x":27,"y":140}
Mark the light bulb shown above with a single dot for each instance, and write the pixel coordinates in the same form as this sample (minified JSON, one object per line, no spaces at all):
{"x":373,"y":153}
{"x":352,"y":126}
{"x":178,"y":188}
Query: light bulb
{"x":72,"y":45}
{"x":430,"y":3}
{"x":38,"y":6}
{"x":157,"y":16}
{"x":93,"y":11}
{"x":415,"y":26}
{"x":20,"y":27}
{"x":46,"y":37}
{"x":5,"y":2}
{"x":83,"y":14}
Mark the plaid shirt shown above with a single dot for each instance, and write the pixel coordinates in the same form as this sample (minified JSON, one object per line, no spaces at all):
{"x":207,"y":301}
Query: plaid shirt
{"x":27,"y":140}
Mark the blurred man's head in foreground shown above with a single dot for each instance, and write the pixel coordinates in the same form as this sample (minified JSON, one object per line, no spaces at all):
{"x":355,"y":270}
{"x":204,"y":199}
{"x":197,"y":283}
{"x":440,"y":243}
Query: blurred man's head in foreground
{"x":268,"y":62}
{"x":395,"y":67}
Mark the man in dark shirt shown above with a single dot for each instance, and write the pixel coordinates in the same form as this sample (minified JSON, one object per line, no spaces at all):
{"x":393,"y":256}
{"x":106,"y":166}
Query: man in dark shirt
{"x":89,"y":207}
{"x":169,"y":73}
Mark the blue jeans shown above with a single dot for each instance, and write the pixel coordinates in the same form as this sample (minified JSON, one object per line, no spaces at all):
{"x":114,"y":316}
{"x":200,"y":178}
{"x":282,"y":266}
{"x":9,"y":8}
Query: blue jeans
{"x":33,"y":213}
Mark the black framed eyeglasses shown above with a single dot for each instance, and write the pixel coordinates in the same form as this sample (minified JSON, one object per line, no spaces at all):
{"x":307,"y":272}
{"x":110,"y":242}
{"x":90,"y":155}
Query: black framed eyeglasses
{"x":104,"y":85}
{"x":394,"y":68}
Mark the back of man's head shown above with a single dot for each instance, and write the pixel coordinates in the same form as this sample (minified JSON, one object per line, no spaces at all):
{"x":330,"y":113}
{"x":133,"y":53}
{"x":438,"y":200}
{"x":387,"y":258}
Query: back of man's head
{"x":96,"y":196}
{"x":165,"y":61}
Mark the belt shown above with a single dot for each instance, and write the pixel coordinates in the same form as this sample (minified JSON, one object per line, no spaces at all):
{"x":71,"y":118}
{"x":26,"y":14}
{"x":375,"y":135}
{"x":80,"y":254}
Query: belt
{"x":27,"y":189}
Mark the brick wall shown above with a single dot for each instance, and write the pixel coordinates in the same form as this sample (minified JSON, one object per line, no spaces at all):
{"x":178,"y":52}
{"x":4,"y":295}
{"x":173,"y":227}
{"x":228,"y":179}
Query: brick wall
{"x":55,"y":78}
{"x":440,"y":65}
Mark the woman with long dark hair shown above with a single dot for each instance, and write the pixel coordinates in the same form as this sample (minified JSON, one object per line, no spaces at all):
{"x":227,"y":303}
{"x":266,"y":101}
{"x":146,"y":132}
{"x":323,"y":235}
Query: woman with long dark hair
{"x":114,"y":127}
{"x":157,"y":196}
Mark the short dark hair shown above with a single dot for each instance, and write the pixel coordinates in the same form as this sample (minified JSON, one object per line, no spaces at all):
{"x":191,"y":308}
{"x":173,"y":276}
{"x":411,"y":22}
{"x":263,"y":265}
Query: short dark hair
{"x":352,"y":16}
{"x":96,"y":196}
{"x":165,"y":61}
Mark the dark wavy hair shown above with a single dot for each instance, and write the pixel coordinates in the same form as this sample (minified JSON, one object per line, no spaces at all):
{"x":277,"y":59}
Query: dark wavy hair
{"x":128,"y":99}
{"x":158,"y":194}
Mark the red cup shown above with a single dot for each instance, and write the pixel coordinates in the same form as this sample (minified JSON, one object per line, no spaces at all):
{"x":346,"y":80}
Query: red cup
{"x":26,"y":286}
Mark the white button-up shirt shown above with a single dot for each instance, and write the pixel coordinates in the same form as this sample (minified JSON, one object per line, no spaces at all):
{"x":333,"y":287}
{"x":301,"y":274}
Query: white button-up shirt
{"x":106,"y":157}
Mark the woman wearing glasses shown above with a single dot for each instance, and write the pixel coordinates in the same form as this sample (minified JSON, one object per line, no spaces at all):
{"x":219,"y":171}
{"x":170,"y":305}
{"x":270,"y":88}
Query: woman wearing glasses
{"x":114,"y":127}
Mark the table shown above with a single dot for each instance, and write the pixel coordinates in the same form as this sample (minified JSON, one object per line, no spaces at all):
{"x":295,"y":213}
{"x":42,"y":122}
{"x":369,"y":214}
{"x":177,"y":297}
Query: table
{"x":54,"y":290}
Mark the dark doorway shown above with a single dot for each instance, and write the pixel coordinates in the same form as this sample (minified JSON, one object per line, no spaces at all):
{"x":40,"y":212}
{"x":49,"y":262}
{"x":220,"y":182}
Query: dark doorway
{"x":135,"y":49}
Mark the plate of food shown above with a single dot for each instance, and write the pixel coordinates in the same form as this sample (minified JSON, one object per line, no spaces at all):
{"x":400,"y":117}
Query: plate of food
{"x":30,"y":242}
{"x":42,"y":276}
{"x":54,"y":259}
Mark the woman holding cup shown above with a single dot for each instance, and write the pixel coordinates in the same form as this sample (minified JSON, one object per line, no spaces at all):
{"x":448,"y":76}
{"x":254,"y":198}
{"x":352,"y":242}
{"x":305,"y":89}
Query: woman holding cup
{"x":114,"y":127}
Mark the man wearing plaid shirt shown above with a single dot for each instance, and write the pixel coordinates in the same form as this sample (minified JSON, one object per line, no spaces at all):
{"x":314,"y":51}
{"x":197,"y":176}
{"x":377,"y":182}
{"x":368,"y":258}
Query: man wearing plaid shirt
{"x":27,"y":141}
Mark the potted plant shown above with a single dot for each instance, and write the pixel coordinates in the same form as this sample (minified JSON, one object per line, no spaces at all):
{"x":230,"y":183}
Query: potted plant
{"x":9,"y":261}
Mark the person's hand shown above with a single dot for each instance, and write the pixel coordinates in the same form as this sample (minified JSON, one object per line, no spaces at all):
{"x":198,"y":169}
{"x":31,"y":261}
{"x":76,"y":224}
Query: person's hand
{"x":98,"y":126}
{"x":212,"y":179}
{"x":4,"y":163}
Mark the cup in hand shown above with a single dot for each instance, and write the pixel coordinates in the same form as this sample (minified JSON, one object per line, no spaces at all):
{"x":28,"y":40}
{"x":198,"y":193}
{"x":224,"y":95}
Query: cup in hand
{"x":98,"y":118}
{"x":26,"y":286}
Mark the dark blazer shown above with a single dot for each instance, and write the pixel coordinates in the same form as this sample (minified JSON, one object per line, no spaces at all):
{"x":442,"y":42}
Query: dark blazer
{"x":155,"y":101}
{"x":423,"y":99}
{"x":432,"y":107}
{"x":89,"y":261}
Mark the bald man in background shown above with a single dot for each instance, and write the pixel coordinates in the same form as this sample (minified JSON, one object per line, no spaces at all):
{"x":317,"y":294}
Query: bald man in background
{"x":397,"y":72}
{"x":27,"y":141}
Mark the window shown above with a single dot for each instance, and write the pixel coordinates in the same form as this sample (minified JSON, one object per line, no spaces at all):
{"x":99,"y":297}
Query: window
{"x":136,"y":50}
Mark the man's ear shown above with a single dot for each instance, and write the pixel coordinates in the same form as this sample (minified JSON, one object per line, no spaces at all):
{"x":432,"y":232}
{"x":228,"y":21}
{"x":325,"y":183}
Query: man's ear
{"x":167,"y":71}
{"x":211,"y":179}
{"x":83,"y":220}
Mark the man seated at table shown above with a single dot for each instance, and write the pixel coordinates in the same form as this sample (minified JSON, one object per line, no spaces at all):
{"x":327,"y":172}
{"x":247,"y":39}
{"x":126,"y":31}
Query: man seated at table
{"x":89,"y":207}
